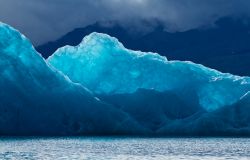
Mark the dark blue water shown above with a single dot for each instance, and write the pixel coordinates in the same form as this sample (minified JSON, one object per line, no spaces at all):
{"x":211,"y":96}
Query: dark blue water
{"x":99,"y":148}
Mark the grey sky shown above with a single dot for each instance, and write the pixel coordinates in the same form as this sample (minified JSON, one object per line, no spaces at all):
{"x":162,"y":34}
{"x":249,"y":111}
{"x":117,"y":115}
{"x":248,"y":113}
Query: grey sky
{"x":43,"y":20}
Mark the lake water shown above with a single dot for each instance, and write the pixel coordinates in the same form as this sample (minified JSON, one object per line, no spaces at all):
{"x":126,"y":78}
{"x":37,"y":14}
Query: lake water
{"x":99,"y":148}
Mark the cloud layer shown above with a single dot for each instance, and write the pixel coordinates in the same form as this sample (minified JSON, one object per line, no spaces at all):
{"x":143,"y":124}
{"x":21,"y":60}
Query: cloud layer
{"x":43,"y":20}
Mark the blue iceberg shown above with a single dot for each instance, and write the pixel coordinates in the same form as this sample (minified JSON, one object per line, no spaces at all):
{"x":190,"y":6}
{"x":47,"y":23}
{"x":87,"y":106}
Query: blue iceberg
{"x":103,"y":65}
{"x":101,"y":88}
{"x":38,"y":100}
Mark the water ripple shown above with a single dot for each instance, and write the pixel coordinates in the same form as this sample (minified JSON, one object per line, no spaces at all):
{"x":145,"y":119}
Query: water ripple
{"x":102,"y":148}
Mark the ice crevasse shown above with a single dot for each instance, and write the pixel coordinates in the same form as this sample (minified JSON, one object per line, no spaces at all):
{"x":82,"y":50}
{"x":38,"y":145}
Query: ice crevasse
{"x":105,"y":66}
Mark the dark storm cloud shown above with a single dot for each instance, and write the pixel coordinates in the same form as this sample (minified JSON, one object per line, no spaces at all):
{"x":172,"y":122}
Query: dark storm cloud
{"x":43,"y":20}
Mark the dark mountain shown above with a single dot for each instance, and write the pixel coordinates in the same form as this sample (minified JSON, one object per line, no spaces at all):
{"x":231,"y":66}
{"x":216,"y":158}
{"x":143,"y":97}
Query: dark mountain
{"x":225,"y":47}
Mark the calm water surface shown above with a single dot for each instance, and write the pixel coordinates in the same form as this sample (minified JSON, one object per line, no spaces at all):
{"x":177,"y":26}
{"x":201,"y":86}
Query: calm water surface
{"x":100,"y":148}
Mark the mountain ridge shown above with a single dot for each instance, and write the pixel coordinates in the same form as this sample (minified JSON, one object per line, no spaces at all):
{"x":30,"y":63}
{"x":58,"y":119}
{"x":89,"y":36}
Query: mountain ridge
{"x":224,"y":47}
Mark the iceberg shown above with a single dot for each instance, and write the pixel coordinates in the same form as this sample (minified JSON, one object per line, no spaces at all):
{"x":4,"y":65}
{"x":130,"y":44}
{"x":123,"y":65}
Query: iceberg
{"x":101,"y":88}
{"x":103,"y":65}
{"x":36,"y":99}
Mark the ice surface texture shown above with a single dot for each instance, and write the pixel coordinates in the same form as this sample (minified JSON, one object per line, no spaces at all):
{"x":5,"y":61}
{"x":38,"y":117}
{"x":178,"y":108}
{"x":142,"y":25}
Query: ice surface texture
{"x":101,"y":88}
{"x":105,"y":66}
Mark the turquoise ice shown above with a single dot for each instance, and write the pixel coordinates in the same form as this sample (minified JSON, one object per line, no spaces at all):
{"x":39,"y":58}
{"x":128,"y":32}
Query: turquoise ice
{"x":101,"y":88}
{"x":38,"y":100}
{"x":103,"y":65}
